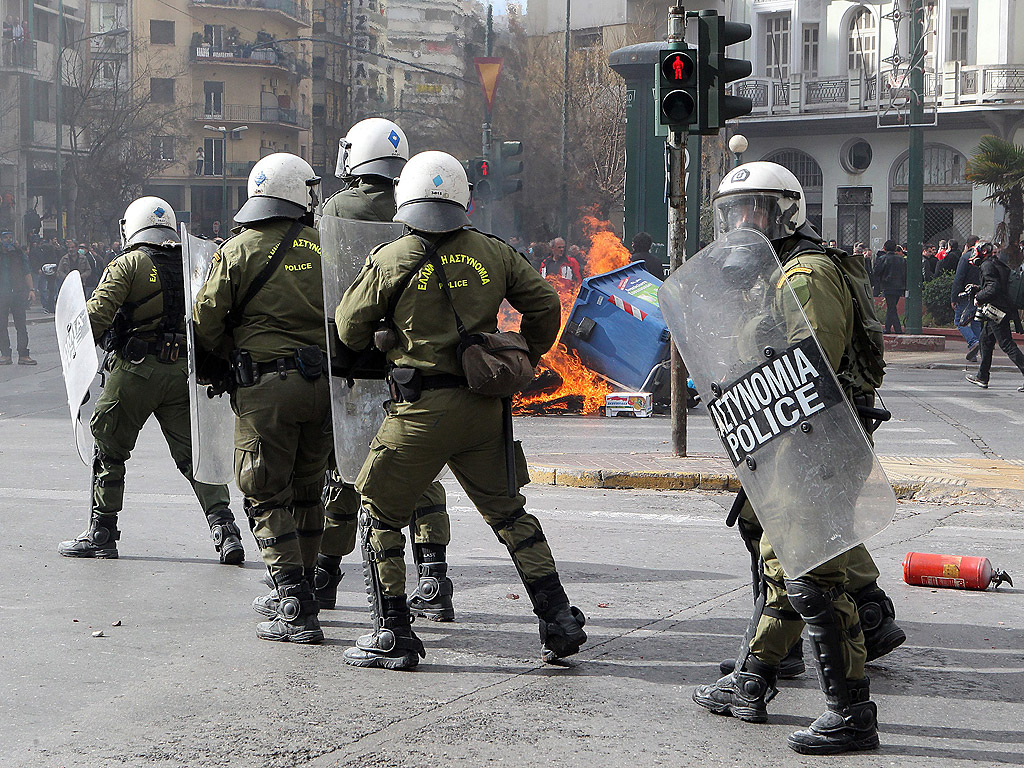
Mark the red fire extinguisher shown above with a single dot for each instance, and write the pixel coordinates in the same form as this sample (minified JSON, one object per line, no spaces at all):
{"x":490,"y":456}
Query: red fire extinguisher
{"x":927,"y":570}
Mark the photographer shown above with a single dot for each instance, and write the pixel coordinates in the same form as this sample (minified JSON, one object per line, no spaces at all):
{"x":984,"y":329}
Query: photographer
{"x":995,"y":311}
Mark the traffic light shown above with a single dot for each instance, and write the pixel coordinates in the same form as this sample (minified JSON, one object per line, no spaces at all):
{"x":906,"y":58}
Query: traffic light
{"x":718,"y":70}
{"x":508,"y":169}
{"x":678,"y":101}
{"x":480,"y":177}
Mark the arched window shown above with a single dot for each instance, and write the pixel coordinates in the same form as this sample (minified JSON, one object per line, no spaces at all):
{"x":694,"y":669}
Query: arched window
{"x":862,"y":41}
{"x":943,"y":167}
{"x":803,"y":166}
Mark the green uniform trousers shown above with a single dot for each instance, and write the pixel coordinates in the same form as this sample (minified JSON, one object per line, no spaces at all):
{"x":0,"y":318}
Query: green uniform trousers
{"x":430,"y":523}
{"x":131,"y":394}
{"x":779,"y":627}
{"x":464,"y":431}
{"x":283,"y":437}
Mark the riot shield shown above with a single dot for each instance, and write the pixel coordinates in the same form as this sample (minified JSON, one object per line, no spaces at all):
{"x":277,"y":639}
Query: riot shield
{"x":213,"y":422}
{"x":77,"y":356}
{"x":799,"y":449}
{"x":357,"y":411}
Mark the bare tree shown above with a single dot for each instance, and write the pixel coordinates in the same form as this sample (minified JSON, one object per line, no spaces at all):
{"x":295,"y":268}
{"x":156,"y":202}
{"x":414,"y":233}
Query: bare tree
{"x":113,"y":125}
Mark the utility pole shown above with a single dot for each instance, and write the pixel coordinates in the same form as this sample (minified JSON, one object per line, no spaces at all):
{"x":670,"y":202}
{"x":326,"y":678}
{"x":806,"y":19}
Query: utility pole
{"x":915,"y":180}
{"x":563,"y":214}
{"x":675,"y":149}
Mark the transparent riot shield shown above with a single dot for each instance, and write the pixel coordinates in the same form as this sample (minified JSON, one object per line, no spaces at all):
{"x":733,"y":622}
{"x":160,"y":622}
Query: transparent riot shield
{"x":357,"y":411}
{"x":77,"y":356}
{"x":213,"y":422}
{"x":796,"y":442}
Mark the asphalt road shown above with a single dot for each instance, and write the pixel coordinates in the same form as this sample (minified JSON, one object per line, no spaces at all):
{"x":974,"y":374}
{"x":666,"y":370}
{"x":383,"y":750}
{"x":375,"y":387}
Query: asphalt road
{"x":182,"y":680}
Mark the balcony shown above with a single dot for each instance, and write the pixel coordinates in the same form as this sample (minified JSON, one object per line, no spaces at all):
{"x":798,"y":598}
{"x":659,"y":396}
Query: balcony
{"x":247,"y":55}
{"x":20,"y":58}
{"x":297,"y":11}
{"x":246,"y":113}
{"x":956,"y":85}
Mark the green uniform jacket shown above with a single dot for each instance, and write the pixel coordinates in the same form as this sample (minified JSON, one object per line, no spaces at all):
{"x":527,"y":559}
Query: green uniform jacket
{"x":131,"y":277}
{"x":481,"y":271}
{"x":288,"y":311}
{"x":828,"y":303}
{"x":372,"y":199}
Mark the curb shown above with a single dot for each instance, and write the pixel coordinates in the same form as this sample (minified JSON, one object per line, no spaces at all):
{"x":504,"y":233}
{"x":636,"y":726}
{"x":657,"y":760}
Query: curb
{"x":651,"y":480}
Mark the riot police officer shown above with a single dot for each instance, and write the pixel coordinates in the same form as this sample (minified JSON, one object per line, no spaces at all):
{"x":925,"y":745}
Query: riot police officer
{"x":434,"y":419}
{"x":137,"y":313}
{"x":371,"y":157}
{"x":261,"y":308}
{"x":848,"y":617}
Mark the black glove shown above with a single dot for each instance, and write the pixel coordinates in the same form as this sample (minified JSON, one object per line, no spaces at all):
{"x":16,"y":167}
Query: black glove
{"x":214,"y":372}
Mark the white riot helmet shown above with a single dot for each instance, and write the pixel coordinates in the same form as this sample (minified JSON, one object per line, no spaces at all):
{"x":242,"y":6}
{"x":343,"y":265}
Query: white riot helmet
{"x":281,"y":186}
{"x":372,"y":147}
{"x":148,"y":220}
{"x":432,"y":194}
{"x":762,"y":196}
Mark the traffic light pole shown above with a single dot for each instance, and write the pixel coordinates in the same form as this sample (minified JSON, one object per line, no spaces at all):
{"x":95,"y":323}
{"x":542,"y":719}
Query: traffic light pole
{"x":675,"y":146}
{"x":485,"y":141}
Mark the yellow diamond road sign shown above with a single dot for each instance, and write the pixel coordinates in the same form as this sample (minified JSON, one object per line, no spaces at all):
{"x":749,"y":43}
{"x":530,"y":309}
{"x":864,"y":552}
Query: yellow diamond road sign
{"x":488,"y":69}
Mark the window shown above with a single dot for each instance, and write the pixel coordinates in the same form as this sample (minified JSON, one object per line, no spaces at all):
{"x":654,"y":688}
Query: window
{"x":161,"y":90}
{"x":861,"y":42}
{"x":958,"y":38}
{"x":776,"y":59}
{"x":214,"y":98}
{"x":161,"y":32}
{"x":42,"y":27}
{"x":213,"y":34}
{"x":110,"y":69}
{"x":213,"y":156}
{"x":855,"y":156}
{"x":811,"y":50}
{"x":163,"y":148}
{"x":803,"y":166}
{"x":42,"y":102}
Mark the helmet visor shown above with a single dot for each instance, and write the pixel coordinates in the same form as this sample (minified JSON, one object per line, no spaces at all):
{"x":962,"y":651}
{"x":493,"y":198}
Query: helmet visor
{"x":769,"y":213}
{"x":341,"y":169}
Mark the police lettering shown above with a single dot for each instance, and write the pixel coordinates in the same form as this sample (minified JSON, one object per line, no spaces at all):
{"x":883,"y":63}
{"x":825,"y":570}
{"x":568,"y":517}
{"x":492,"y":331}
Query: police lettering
{"x":774,"y":398}
{"x":309,"y":244}
{"x":461,"y":258}
{"x":298,"y":267}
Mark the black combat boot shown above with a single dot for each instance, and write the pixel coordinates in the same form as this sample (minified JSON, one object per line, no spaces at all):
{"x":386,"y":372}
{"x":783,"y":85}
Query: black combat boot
{"x":99,"y":541}
{"x":744,"y":694}
{"x":326,"y":579}
{"x":561,"y":624}
{"x":227,"y":539}
{"x":392,"y":644}
{"x":266,"y":605}
{"x":849,"y":724}
{"x":792,"y":664}
{"x":882,"y":634}
{"x":297,"y":609}
{"x":433,"y":596}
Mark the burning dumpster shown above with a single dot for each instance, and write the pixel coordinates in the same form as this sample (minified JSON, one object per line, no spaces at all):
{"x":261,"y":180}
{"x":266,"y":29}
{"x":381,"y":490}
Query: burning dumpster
{"x":616,"y":329}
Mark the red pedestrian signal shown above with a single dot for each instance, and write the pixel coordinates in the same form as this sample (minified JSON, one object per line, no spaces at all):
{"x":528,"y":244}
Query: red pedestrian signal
{"x":483,"y":168}
{"x":677,"y":68}
{"x":677,"y":87}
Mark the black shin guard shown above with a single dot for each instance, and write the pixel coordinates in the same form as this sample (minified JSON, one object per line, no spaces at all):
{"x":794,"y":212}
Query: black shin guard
{"x":561,"y":624}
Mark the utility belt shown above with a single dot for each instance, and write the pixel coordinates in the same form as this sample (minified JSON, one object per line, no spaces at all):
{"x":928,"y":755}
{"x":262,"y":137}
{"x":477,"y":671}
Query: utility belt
{"x":310,"y":362}
{"x":407,"y":384}
{"x":167,"y":349}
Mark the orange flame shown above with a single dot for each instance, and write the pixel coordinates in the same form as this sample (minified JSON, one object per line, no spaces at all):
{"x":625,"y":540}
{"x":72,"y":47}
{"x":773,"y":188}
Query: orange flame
{"x":606,"y":253}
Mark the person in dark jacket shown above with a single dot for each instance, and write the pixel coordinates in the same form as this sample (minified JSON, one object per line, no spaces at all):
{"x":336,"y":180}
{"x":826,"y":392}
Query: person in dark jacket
{"x":963,"y":309}
{"x":995,"y":278}
{"x":891,"y":281}
{"x":641,"y":249}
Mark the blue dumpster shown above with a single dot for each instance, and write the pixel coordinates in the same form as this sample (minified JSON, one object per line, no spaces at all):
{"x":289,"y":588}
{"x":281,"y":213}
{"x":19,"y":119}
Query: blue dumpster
{"x":617,"y":329}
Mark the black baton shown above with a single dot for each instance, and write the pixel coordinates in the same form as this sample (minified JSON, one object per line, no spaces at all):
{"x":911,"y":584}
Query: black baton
{"x":510,"y":449}
{"x":736,"y":508}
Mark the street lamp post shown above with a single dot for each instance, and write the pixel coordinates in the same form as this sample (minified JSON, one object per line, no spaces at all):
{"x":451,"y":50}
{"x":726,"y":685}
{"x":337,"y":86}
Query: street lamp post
{"x":59,"y":104}
{"x":738,"y":145}
{"x":224,"y":131}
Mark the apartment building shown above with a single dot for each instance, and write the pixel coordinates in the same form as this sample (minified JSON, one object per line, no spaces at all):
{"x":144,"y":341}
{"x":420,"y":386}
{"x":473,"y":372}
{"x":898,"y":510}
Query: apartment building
{"x":830,"y":99}
{"x":240,"y":72}
{"x":28,"y":104}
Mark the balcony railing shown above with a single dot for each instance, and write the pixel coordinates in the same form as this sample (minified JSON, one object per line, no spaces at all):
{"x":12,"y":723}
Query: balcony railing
{"x":245,"y":54}
{"x":247,"y":113}
{"x":18,"y":57}
{"x":956,"y":84}
{"x":234,"y":170}
{"x":298,"y":11}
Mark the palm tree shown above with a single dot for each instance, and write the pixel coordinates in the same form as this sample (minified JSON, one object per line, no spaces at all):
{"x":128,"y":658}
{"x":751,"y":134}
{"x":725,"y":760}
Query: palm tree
{"x":999,"y":165}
